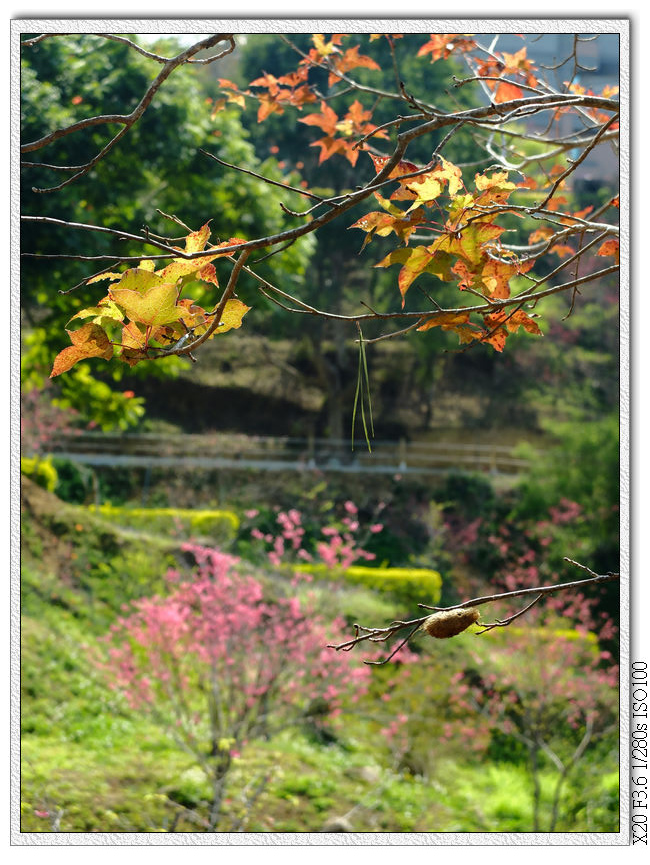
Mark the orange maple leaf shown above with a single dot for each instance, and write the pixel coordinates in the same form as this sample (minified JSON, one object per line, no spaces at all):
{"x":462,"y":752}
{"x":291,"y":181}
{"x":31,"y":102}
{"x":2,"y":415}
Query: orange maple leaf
{"x":496,"y":336}
{"x":505,"y":91}
{"x":520,"y":319}
{"x":401,"y":168}
{"x":326,"y":120}
{"x":562,"y":249}
{"x":351,"y":59}
{"x":610,"y":247}
{"x":88,"y":341}
{"x":441,"y":45}
{"x":267,"y":107}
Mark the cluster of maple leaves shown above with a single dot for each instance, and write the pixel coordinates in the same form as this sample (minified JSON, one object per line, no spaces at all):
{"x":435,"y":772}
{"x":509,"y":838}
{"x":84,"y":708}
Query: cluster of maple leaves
{"x":464,"y":251}
{"x":145,"y":313}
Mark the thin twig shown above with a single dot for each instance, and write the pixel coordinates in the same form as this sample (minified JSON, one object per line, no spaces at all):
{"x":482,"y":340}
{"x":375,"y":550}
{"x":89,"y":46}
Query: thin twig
{"x":502,"y":623}
{"x":295,"y":189}
{"x":381,"y":635}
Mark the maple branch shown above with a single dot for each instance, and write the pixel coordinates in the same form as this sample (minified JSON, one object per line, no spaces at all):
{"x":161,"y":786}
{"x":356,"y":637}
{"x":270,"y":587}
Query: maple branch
{"x":397,"y":121}
{"x":395,"y":333}
{"x":572,"y":56}
{"x":347,"y":202}
{"x":489,"y":306}
{"x":187,"y":344}
{"x":37,"y":39}
{"x":502,"y":112}
{"x":121,"y":235}
{"x":565,"y":286}
{"x":552,"y":216}
{"x":575,"y":257}
{"x":122,"y":39}
{"x":381,"y":635}
{"x":502,"y":623}
{"x":460,"y":82}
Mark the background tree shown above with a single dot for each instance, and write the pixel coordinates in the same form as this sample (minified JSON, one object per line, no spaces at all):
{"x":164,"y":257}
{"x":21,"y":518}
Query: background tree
{"x":341,"y":274}
{"x":555,"y":702}
{"x":156,"y":169}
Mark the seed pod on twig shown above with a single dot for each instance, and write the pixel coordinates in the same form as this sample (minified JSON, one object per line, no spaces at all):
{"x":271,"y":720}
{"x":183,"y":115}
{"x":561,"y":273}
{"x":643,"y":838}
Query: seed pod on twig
{"x":448,"y":623}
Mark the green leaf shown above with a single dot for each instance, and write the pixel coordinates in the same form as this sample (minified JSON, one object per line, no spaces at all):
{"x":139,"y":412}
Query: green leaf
{"x":106,"y":312}
{"x":154,"y":307}
{"x":137,"y":279}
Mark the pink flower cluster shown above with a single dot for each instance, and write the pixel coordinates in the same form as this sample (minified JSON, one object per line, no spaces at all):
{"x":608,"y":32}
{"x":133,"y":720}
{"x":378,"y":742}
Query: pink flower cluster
{"x":339,"y":548}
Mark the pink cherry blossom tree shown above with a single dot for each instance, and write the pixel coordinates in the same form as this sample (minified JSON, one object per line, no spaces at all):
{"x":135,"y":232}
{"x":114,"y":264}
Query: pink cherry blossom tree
{"x":218,"y":662}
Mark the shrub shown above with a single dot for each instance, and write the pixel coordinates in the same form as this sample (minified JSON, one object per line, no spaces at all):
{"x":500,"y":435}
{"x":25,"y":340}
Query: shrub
{"x":410,"y":585}
{"x":41,"y":471}
{"x":217,"y":527}
{"x":71,"y":487}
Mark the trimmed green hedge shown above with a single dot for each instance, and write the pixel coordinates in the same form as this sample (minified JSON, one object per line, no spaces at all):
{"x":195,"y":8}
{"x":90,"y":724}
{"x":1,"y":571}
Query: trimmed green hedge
{"x":41,"y":471}
{"x":412,"y":585}
{"x":217,"y":527}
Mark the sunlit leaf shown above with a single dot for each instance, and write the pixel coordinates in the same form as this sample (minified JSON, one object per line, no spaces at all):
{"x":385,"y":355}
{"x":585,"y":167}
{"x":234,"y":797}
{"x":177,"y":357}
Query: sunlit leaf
{"x":326,"y":120}
{"x":153,"y":307}
{"x":520,"y":319}
{"x":232,"y":316}
{"x":383,"y":224}
{"x":105,"y":313}
{"x":183,"y":267}
{"x":400,"y":169}
{"x":133,"y":336}
{"x":196,"y":240}
{"x":446,"y":321}
{"x":88,"y":341}
{"x":101,"y":276}
{"x":136,"y":279}
{"x":609,"y":247}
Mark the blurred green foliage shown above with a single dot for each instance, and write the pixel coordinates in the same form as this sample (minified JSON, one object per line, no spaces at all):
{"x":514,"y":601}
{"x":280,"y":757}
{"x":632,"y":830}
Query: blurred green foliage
{"x":74,"y":485}
{"x":583,"y":467}
{"x":108,"y":769}
{"x":156,"y":167}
